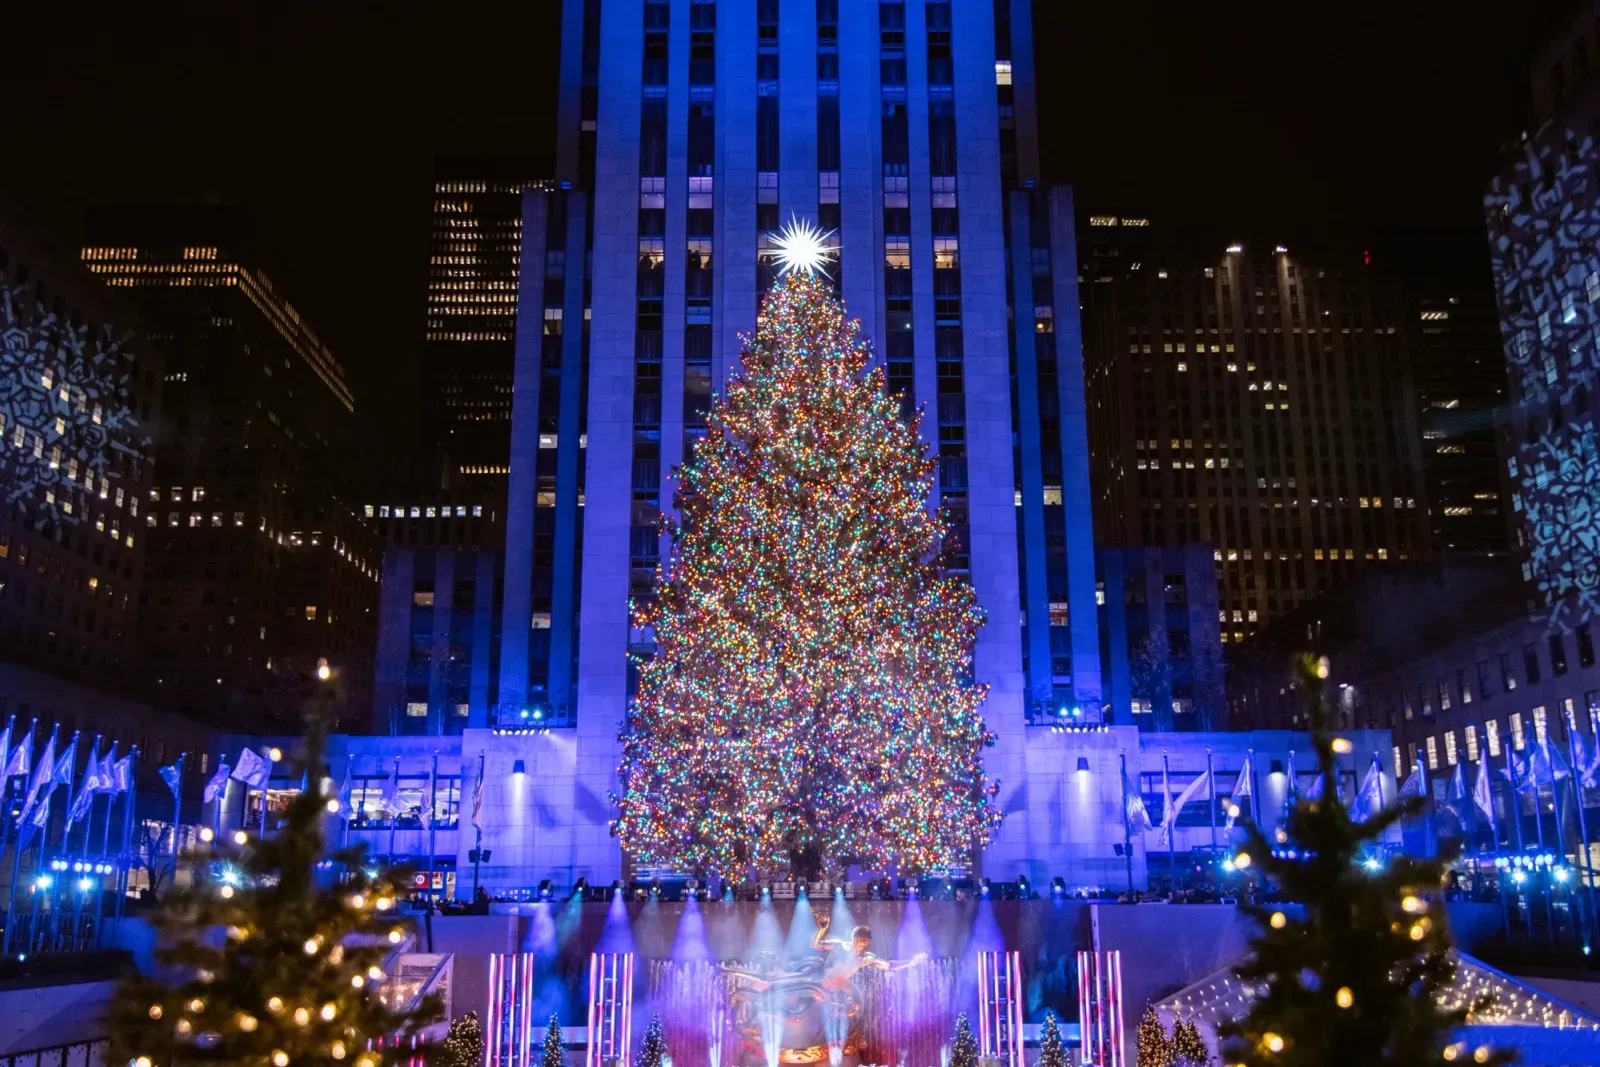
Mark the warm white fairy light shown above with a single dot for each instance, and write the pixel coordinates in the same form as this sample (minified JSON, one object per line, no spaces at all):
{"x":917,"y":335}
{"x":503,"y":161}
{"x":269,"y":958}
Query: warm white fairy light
{"x":801,"y":246}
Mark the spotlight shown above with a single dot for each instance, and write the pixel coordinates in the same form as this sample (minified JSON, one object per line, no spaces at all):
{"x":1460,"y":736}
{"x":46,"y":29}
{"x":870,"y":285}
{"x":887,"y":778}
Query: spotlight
{"x":519,"y":768}
{"x":727,"y":894}
{"x":579,"y":889}
{"x":983,"y":888}
{"x":1083,"y":764}
{"x":546,"y":890}
{"x":84,"y":884}
{"x":523,"y":714}
{"x":872,"y":891}
{"x":800,"y":891}
{"x":1372,"y":863}
{"x":1058,"y":886}
{"x":1561,"y":874}
{"x":44,"y":881}
{"x":1024,"y":890}
{"x":616,"y":888}
{"x":538,"y":713}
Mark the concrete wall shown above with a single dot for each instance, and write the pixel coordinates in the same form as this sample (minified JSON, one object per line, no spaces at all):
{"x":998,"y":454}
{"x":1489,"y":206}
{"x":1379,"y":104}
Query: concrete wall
{"x":42,"y":1016}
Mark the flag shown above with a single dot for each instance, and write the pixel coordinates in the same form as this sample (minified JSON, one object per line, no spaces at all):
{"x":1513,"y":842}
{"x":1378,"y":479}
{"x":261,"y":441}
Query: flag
{"x":1190,"y":791}
{"x":5,"y":741}
{"x":1241,"y":785}
{"x":218,"y":785}
{"x":477,"y":800}
{"x":251,"y":769}
{"x":33,"y":817}
{"x":1517,"y":771}
{"x":172,"y":774}
{"x":1370,"y":796}
{"x":1293,"y":793}
{"x":122,"y":774}
{"x":1166,"y":802}
{"x":86,"y":790}
{"x":64,"y":766}
{"x":44,"y":770}
{"x":390,"y":800}
{"x":1412,"y":787}
{"x":1314,"y":790}
{"x":106,"y":774}
{"x":1481,"y":793}
{"x":1133,"y":811}
{"x":17,"y":760}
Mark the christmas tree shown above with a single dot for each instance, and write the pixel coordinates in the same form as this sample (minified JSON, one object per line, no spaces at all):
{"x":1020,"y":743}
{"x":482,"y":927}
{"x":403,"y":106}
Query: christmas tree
{"x":1357,"y":979}
{"x":654,"y":1050}
{"x":811,"y":686}
{"x":260,"y":965}
{"x":1150,"y":1041}
{"x":1188,"y":1047}
{"x":552,"y":1045}
{"x":463,"y":1045}
{"x":964,"y":1049}
{"x":1052,"y":1053}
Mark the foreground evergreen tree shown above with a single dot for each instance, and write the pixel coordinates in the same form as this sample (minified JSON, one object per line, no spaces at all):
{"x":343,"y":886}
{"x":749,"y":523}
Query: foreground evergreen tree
{"x":1357,"y":979}
{"x":810,"y":688}
{"x":553,"y":1052}
{"x":463,"y":1046}
{"x":269,"y":968}
{"x":964,"y":1049}
{"x":1188,"y":1047}
{"x":1052,"y":1053}
{"x":654,"y":1049}
{"x":1150,"y":1040}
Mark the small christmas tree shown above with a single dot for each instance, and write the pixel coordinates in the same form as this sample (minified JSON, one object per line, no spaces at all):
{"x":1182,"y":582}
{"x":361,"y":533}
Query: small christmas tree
{"x":964,"y":1049}
{"x":1359,"y":977}
{"x":1052,"y":1053}
{"x":1188,"y":1047}
{"x":552,"y":1045}
{"x":463,"y":1046}
{"x":262,"y":966}
{"x":654,"y":1050}
{"x":1154,"y":1049}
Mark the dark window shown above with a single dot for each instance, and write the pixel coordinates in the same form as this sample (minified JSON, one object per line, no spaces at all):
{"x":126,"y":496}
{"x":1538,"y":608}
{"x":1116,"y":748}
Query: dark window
{"x":1558,"y":655}
{"x":1485,"y":686}
{"x":1508,"y":676}
{"x":1530,"y":663}
{"x":1585,"y":647}
{"x":766,"y":133}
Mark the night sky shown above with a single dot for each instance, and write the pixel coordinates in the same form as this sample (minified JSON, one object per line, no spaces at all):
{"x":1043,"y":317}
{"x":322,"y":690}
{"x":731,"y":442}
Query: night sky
{"x":326,"y":124}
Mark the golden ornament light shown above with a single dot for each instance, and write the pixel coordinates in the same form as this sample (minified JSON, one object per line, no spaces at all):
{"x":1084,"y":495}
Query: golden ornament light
{"x":329,"y":1010}
{"x":374,"y":972}
{"x":197,"y":1005}
{"x":280,"y":1058}
{"x":336,"y":1050}
{"x":1413,"y":904}
{"x":332,"y":806}
{"x":1272,"y":1041}
{"x":357,"y":981}
{"x":1417,"y":932}
{"x":155,"y":1011}
{"x":226,"y":892}
{"x":275,"y":753}
{"x":1323,"y":667}
{"x":240,"y":837}
{"x":1344,"y":998}
{"x":1481,"y":1054}
{"x":1343,"y":746}
{"x":311,"y":946}
{"x":1242,"y":860}
{"x":206,"y":833}
{"x":247,"y":1022}
{"x":183,"y":1026}
{"x":1279,"y":920}
{"x":141,"y":1061}
{"x":395,"y":936}
{"x":357,"y":900}
{"x":385,"y":903}
{"x":301,"y":1016}
{"x":274,"y":1004}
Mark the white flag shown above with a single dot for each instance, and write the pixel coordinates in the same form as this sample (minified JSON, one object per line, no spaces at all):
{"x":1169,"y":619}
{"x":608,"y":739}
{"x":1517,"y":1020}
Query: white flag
{"x":251,"y":769}
{"x":1481,"y":794}
{"x":1190,"y":791}
{"x":1241,"y":785}
{"x":1370,"y":796}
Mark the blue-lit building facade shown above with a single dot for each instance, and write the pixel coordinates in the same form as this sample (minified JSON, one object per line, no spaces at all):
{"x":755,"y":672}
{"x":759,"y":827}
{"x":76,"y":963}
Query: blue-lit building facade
{"x":689,"y":132}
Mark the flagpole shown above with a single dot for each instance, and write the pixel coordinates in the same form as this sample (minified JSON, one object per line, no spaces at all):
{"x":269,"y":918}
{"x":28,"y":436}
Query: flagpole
{"x":477,"y":852}
{"x":1127,"y":831}
{"x":1211,"y":787}
{"x":124,"y":861}
{"x":177,"y":814}
{"x":1255,"y":792}
{"x":5,"y":791}
{"x":265,"y":787}
{"x":433,"y":820}
{"x":221,"y":803}
{"x":394,"y":816}
{"x":16,"y":861}
{"x":1291,"y":788}
{"x":1166,"y":818}
{"x":1494,"y":829}
{"x":66,"y":828}
{"x":1514,"y":807}
{"x":1583,"y":822}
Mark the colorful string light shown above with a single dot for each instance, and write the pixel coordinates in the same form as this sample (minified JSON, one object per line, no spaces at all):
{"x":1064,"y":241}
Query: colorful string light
{"x":812,"y":680}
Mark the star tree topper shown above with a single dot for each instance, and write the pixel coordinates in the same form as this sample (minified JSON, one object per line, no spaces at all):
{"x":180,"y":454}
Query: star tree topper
{"x":803,"y":248}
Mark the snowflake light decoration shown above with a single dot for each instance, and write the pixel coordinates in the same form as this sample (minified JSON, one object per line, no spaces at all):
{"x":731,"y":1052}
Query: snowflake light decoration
{"x":64,"y":414}
{"x":801,"y":246}
{"x":1561,"y":498}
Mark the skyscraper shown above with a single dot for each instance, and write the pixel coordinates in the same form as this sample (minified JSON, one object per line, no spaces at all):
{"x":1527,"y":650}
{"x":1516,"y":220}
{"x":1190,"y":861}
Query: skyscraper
{"x":688,"y":134}
{"x":474,"y":244}
{"x":1542,"y":223}
{"x":1262,"y":402}
{"x":255,"y":563}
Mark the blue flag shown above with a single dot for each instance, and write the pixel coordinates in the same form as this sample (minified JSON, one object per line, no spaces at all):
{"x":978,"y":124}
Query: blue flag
{"x":172,"y":774}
